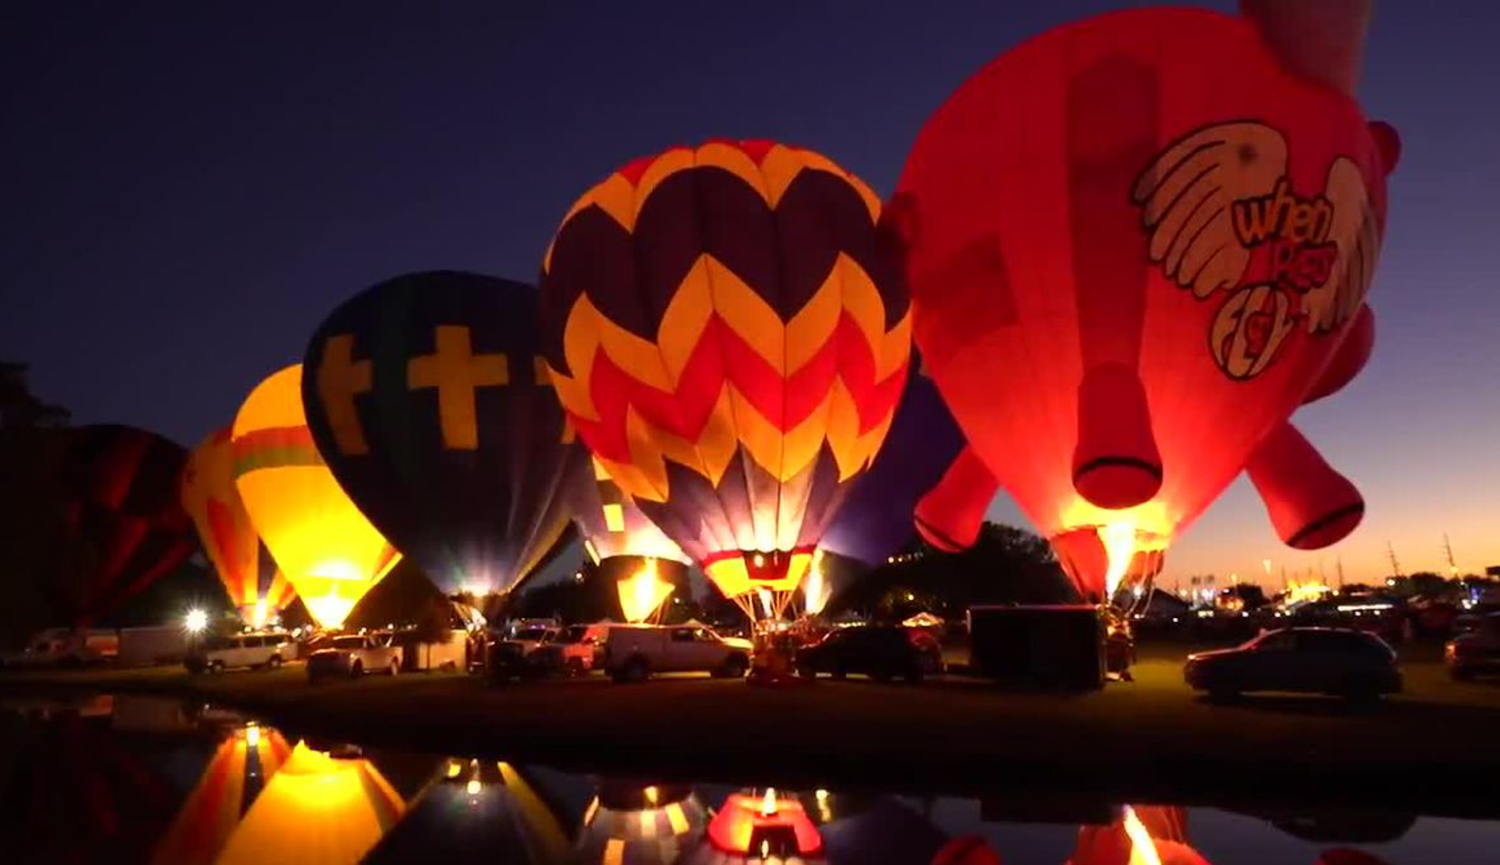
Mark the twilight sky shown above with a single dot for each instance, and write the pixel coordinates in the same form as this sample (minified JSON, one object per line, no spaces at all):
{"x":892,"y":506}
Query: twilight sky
{"x":186,"y":191}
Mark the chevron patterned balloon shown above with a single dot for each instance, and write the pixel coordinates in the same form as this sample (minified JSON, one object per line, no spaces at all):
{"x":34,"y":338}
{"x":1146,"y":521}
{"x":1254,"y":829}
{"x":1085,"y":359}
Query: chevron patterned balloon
{"x":730,"y":339}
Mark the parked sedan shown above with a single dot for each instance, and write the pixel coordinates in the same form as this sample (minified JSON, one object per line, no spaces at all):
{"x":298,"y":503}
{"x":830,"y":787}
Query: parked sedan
{"x":1341,"y":662}
{"x":353,"y":655}
{"x":882,"y":653}
{"x":1476,"y":650}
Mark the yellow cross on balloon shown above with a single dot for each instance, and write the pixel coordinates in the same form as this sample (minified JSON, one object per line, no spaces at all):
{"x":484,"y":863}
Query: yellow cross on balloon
{"x":340,"y":379}
{"x":457,"y":373}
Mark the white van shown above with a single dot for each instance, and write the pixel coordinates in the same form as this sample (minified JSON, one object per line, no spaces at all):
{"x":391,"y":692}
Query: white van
{"x":217,"y":654}
{"x":633,"y":652}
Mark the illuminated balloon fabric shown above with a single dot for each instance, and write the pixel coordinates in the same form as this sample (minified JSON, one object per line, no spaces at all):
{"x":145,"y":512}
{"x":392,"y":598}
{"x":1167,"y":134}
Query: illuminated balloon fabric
{"x":479,"y":812}
{"x":328,"y":550}
{"x":629,"y":550}
{"x":428,"y":397}
{"x":256,"y":588}
{"x":609,"y":522}
{"x":875,"y":519}
{"x":1113,"y":351}
{"x":315,"y":809}
{"x":950,"y":515}
{"x":123,"y":516}
{"x":244,"y":762}
{"x":730,"y":341}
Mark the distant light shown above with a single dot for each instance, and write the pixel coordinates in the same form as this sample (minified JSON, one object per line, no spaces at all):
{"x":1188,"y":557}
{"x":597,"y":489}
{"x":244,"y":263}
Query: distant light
{"x":652,"y":795}
{"x":473,"y":787}
{"x":822,"y":795}
{"x":252,"y":736}
{"x":196,"y":621}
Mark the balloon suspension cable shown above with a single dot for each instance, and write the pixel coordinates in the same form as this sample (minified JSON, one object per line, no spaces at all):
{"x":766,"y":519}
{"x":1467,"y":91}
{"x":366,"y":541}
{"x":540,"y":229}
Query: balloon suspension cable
{"x":746,"y":603}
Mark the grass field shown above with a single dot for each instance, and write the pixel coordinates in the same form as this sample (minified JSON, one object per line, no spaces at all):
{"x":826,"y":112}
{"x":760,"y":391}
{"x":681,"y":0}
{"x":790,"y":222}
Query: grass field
{"x":1150,"y":738}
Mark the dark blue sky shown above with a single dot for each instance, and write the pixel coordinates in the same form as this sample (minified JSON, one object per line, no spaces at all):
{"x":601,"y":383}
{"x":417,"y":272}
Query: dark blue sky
{"x":186,"y":189}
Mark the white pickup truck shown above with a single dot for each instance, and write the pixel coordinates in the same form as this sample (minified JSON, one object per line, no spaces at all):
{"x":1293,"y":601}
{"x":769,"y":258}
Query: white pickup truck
{"x":632,"y":653}
{"x":353,"y":655}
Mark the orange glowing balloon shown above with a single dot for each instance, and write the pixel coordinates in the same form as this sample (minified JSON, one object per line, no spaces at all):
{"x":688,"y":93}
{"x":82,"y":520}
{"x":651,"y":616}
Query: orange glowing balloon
{"x":256,"y":588}
{"x":325,"y":546}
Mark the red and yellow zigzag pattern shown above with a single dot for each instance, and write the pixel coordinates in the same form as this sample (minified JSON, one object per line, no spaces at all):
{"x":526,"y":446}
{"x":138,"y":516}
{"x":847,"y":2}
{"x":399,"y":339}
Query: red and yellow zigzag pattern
{"x":726,"y":373}
{"x":766,"y":167}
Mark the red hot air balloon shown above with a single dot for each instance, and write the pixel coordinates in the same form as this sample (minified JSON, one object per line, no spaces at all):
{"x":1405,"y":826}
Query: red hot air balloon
{"x":123,"y":515}
{"x":1134,"y":245}
{"x":730,"y":340}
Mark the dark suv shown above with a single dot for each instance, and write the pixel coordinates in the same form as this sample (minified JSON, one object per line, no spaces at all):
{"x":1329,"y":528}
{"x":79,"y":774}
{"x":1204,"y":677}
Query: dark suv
{"x":881,"y":652}
{"x":1476,"y":650}
{"x":1342,"y":662}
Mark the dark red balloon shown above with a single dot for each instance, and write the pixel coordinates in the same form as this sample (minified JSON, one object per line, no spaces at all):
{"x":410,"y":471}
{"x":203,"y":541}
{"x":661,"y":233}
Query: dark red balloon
{"x":124,"y":518}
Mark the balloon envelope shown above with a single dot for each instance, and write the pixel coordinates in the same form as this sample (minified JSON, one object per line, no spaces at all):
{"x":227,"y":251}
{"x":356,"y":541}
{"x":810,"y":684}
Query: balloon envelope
{"x":876,"y":518}
{"x":256,"y":588}
{"x":123,"y":517}
{"x":1133,"y":245}
{"x":427,"y":396}
{"x":328,"y":550}
{"x":609,"y":522}
{"x":730,"y":341}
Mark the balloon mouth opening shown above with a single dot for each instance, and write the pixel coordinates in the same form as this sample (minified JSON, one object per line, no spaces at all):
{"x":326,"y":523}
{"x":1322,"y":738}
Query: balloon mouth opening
{"x":1102,"y":559}
{"x":1328,"y":529}
{"x":763,"y":583}
{"x":1117,"y":482}
{"x":643,"y":592}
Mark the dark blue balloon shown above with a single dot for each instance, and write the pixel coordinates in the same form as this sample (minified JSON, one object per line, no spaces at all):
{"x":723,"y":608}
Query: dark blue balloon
{"x":875,"y":519}
{"x":426,"y":397}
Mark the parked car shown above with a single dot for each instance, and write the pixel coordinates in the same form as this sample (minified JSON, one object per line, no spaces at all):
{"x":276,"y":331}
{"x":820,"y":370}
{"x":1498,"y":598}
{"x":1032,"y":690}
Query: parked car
{"x":530,"y":639}
{"x":574,"y":650}
{"x":354,"y":655}
{"x":256,"y":651}
{"x":632,"y":653}
{"x":1354,"y":664}
{"x":881,"y":652}
{"x":505,"y":661}
{"x":1474,"y":651}
{"x":65,"y":647}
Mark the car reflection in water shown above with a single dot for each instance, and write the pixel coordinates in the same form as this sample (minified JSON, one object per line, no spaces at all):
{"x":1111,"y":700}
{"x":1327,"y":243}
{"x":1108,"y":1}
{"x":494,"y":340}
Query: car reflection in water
{"x":132,"y":779}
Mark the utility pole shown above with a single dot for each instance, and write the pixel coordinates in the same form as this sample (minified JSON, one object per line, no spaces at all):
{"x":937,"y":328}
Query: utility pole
{"x":1339,"y":562}
{"x":1395,"y":565}
{"x":1452,"y":567}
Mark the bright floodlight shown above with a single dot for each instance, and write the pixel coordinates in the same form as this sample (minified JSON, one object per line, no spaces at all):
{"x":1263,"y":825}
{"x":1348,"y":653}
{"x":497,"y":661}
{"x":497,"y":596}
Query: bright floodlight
{"x":195,"y":621}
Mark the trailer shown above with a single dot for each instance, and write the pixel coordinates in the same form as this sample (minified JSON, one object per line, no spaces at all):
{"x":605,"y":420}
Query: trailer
{"x":1045,"y":646}
{"x":143,"y":647}
{"x":451,"y":654}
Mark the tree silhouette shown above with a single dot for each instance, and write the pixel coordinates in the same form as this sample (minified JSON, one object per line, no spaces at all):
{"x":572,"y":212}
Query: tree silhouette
{"x":1005,"y":565}
{"x":33,"y":552}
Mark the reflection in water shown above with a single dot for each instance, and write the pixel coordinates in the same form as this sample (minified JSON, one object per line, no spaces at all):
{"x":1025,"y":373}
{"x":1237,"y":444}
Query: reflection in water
{"x":234,"y":777}
{"x":764,"y":827}
{"x":1142,"y":835}
{"x":317,"y":808}
{"x":129,"y":779}
{"x":477,"y":811}
{"x":628,"y":823}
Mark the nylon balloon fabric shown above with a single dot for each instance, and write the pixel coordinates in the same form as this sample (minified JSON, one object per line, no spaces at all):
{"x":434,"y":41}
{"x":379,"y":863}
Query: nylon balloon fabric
{"x":123,"y":518}
{"x":244,"y":566}
{"x":1134,"y":244}
{"x":328,"y":550}
{"x":876,"y":519}
{"x":730,"y":340}
{"x":429,"y":399}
